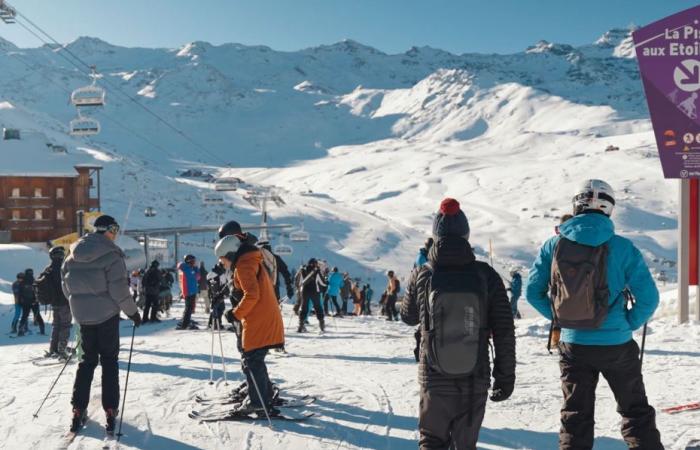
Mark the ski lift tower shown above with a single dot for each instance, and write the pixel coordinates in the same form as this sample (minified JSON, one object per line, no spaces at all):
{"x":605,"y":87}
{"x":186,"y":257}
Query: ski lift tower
{"x":7,"y":13}
{"x":260,"y":199}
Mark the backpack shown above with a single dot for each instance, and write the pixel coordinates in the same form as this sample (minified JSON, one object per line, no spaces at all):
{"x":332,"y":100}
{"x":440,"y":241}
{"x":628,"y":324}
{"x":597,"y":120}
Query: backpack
{"x":45,"y":294}
{"x":270,"y":264}
{"x":455,"y":321}
{"x":27,"y":294}
{"x":398,"y":286}
{"x":579,"y":285}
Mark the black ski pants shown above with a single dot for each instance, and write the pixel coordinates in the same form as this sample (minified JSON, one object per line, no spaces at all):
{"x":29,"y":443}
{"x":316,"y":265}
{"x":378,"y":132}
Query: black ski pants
{"x":151,"y":306}
{"x":450,"y":420}
{"x":255,"y":370}
{"x":100,"y":343}
{"x":33,"y":308}
{"x":316,"y":300}
{"x":580,"y":367}
{"x":334,"y":300}
{"x":390,"y":307}
{"x":189,"y":307}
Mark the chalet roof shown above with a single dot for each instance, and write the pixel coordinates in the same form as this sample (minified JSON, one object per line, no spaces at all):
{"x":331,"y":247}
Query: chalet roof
{"x":31,"y":157}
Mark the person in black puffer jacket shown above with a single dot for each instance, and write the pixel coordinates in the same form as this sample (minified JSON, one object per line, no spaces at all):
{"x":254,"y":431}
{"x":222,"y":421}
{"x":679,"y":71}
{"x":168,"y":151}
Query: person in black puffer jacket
{"x":29,"y":304}
{"x":62,"y":317}
{"x":452,"y":408}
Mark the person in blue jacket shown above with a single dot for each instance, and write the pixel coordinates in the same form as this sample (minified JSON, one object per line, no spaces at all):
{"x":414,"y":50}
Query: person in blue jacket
{"x":189,"y":288}
{"x":17,"y":293}
{"x":422,"y":257}
{"x":335,"y":282}
{"x":609,"y":349}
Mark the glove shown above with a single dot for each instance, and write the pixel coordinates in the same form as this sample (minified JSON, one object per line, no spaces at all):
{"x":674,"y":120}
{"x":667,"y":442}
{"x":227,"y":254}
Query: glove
{"x":136,"y":318}
{"x":501,"y":391}
{"x":290,"y":291}
{"x":229,"y":316}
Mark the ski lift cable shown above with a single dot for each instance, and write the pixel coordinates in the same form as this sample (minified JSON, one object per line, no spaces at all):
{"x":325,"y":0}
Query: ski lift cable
{"x":109,"y":117}
{"x":110,"y":83}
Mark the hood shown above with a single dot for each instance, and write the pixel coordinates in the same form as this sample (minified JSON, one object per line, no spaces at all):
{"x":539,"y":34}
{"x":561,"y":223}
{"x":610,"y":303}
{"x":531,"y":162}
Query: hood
{"x":451,"y":251}
{"x":588,"y":229}
{"x":247,"y":252}
{"x":92,"y":247}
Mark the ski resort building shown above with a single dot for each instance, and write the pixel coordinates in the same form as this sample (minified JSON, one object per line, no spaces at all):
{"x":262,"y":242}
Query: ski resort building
{"x":41,"y":191}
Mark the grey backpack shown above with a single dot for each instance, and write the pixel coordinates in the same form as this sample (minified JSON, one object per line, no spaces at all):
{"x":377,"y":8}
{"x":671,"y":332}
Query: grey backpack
{"x":455,"y":321}
{"x":579,"y":285}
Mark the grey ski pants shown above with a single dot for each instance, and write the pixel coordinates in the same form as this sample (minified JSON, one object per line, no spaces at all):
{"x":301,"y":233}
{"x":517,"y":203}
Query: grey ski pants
{"x":60,"y":334}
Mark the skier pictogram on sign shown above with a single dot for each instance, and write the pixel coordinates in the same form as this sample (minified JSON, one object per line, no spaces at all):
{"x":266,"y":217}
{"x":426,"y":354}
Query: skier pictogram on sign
{"x":687,"y":75}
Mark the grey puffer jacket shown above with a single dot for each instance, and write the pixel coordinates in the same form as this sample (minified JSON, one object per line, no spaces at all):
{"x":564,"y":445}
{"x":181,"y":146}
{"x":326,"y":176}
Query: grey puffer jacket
{"x":95,"y":280}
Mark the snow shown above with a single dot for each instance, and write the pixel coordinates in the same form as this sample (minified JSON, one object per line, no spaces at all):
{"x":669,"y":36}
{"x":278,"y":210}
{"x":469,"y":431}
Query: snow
{"x":367,"y":392}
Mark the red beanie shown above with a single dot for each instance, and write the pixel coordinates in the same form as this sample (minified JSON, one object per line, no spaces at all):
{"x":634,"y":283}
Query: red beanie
{"x":449,"y":207}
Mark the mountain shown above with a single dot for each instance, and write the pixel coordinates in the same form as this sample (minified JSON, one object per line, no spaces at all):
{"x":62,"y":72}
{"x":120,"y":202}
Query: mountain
{"x":363,"y":144}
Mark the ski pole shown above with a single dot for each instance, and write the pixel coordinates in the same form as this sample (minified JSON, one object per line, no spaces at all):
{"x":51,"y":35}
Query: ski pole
{"x":221,"y":345}
{"x":36,"y":414}
{"x":211,"y":354}
{"x":262,"y":401}
{"x":126,"y":383}
{"x":644,"y":340}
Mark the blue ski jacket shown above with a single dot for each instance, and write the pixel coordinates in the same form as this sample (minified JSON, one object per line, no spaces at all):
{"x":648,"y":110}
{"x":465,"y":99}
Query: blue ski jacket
{"x":626,"y":269}
{"x":335,"y":281}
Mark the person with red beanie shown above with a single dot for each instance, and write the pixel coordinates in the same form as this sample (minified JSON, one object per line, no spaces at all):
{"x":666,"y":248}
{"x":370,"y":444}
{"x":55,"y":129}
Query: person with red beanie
{"x":459,"y":304}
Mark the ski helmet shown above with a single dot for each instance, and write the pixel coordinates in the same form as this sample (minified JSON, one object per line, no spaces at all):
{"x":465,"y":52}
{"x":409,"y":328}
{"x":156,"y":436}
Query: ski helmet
{"x":189,"y":258}
{"x":57,"y":252}
{"x":594,"y":195}
{"x":230,"y":228}
{"x":227,"y":247}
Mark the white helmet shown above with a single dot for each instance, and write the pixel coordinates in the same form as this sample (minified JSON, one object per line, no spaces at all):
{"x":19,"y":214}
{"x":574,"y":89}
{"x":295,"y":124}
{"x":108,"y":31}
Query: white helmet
{"x":226,"y":245}
{"x":594,"y":195}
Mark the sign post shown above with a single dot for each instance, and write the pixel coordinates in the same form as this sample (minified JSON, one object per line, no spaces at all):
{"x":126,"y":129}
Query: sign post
{"x":668,"y":53}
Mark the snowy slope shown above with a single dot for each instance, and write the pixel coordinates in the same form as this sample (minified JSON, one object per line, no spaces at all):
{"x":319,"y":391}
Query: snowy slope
{"x":367,"y":392}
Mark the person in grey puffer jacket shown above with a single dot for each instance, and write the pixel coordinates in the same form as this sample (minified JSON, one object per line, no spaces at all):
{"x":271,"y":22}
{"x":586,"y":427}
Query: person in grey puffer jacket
{"x":95,"y":281}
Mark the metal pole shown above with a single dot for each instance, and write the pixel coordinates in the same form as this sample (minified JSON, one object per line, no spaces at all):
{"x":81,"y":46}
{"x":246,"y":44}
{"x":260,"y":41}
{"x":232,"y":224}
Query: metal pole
{"x":177,"y":248}
{"x":145,"y":247}
{"x":683,"y":248}
{"x":221,"y":345}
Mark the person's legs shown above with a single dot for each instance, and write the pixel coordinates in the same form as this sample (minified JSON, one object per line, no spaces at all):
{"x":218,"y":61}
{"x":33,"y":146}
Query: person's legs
{"x":86,"y":368}
{"x":55,"y":330}
{"x":37,"y":317}
{"x":108,"y":344}
{"x":579,"y":379}
{"x":23,"y":326}
{"x":465,"y":427}
{"x":256,"y":375}
{"x":344,"y":308}
{"x":624,"y":375}
{"x":64,"y":326}
{"x":334,"y":299}
{"x":303,"y":312}
{"x":435,"y":414}
{"x":17,"y":316}
{"x":319,"y":312}
{"x":187,"y":314}
{"x":153,"y":300}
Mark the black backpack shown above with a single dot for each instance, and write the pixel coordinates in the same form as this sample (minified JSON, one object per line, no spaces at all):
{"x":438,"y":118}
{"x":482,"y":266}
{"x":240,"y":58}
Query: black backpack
{"x":27,"y":293}
{"x":45,"y":293}
{"x":455,"y":321}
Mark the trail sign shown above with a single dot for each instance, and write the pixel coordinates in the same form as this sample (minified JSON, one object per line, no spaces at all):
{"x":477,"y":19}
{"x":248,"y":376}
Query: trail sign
{"x":668,"y":53}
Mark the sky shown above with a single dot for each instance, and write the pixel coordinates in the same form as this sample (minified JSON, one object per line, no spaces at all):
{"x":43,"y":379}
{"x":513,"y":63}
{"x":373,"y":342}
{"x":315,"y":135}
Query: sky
{"x":393,"y":26}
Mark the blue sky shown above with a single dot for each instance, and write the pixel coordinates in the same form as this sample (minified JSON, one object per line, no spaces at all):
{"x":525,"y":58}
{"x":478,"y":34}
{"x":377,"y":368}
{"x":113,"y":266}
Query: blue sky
{"x":486,"y":26}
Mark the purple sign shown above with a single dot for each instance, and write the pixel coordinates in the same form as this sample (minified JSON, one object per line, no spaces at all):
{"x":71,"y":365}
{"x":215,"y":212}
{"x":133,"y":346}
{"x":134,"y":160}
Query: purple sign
{"x":668,"y":53}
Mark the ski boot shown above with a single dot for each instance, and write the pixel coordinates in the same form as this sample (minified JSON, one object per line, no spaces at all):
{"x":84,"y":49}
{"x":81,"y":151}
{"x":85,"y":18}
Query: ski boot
{"x":111,"y":418}
{"x":79,"y":420}
{"x":301,"y":329}
{"x":14,"y":327}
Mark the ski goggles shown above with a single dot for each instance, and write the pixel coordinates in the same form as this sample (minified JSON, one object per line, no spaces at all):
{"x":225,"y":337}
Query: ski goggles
{"x":590,"y":195}
{"x":114,"y":229}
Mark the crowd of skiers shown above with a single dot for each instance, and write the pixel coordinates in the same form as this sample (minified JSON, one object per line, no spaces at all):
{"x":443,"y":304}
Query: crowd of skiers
{"x":591,"y":283}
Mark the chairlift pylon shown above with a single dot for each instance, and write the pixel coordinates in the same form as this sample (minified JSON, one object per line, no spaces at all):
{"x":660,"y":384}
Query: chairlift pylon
{"x":91,"y":95}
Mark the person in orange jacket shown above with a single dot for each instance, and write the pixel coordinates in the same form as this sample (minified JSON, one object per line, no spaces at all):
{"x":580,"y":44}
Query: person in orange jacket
{"x":259,"y":315}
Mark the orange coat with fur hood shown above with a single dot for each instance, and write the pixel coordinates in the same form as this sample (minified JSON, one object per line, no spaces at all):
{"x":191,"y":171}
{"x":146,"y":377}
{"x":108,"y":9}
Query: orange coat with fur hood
{"x":258,"y":310}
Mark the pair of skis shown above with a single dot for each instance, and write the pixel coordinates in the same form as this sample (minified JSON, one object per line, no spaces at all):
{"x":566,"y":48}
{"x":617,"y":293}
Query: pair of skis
{"x":285,"y":409}
{"x":682,"y":408}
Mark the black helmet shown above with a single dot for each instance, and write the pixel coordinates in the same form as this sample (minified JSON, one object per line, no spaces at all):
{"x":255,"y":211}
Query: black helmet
{"x":230,"y":228}
{"x":189,"y":258}
{"x":155,"y":263}
{"x":106,"y":223}
{"x":57,"y":252}
{"x":20,"y":275}
{"x":312,"y":262}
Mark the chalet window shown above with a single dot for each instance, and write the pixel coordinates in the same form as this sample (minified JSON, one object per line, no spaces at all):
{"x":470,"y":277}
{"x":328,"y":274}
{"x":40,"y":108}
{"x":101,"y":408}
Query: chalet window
{"x":15,"y":193}
{"x":59,"y":192}
{"x":16,"y":214}
{"x":38,"y":214}
{"x":37,"y":193}
{"x":60,"y":215}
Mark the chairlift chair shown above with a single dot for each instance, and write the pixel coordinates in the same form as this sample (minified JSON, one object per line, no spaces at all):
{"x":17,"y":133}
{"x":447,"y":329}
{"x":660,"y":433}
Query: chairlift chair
{"x":299,"y":236}
{"x":150,"y":212}
{"x":91,"y":95}
{"x":7,"y":13}
{"x":225,"y":185}
{"x":211,"y":198}
{"x":283,"y":250}
{"x":84,"y":126}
